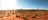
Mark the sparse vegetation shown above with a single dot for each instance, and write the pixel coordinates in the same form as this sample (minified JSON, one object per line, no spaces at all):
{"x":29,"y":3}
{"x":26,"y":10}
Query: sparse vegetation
{"x":21,"y":14}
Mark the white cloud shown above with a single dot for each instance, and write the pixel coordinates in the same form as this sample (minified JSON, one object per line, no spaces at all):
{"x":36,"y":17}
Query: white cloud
{"x":35,"y":8}
{"x":8,"y":4}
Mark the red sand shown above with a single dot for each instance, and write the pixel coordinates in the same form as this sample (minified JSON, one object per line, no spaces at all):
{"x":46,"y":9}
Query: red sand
{"x":13,"y":17}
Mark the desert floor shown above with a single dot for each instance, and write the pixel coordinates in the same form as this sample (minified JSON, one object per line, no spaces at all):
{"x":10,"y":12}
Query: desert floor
{"x":24,"y":15}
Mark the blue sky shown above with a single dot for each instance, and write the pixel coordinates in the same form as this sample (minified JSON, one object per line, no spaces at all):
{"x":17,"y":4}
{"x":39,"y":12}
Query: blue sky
{"x":32,"y":3}
{"x":23,"y":4}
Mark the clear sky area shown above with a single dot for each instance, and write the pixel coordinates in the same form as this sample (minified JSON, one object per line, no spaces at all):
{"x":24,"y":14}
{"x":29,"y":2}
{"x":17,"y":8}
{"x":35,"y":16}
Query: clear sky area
{"x":24,"y":4}
{"x":33,"y":4}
